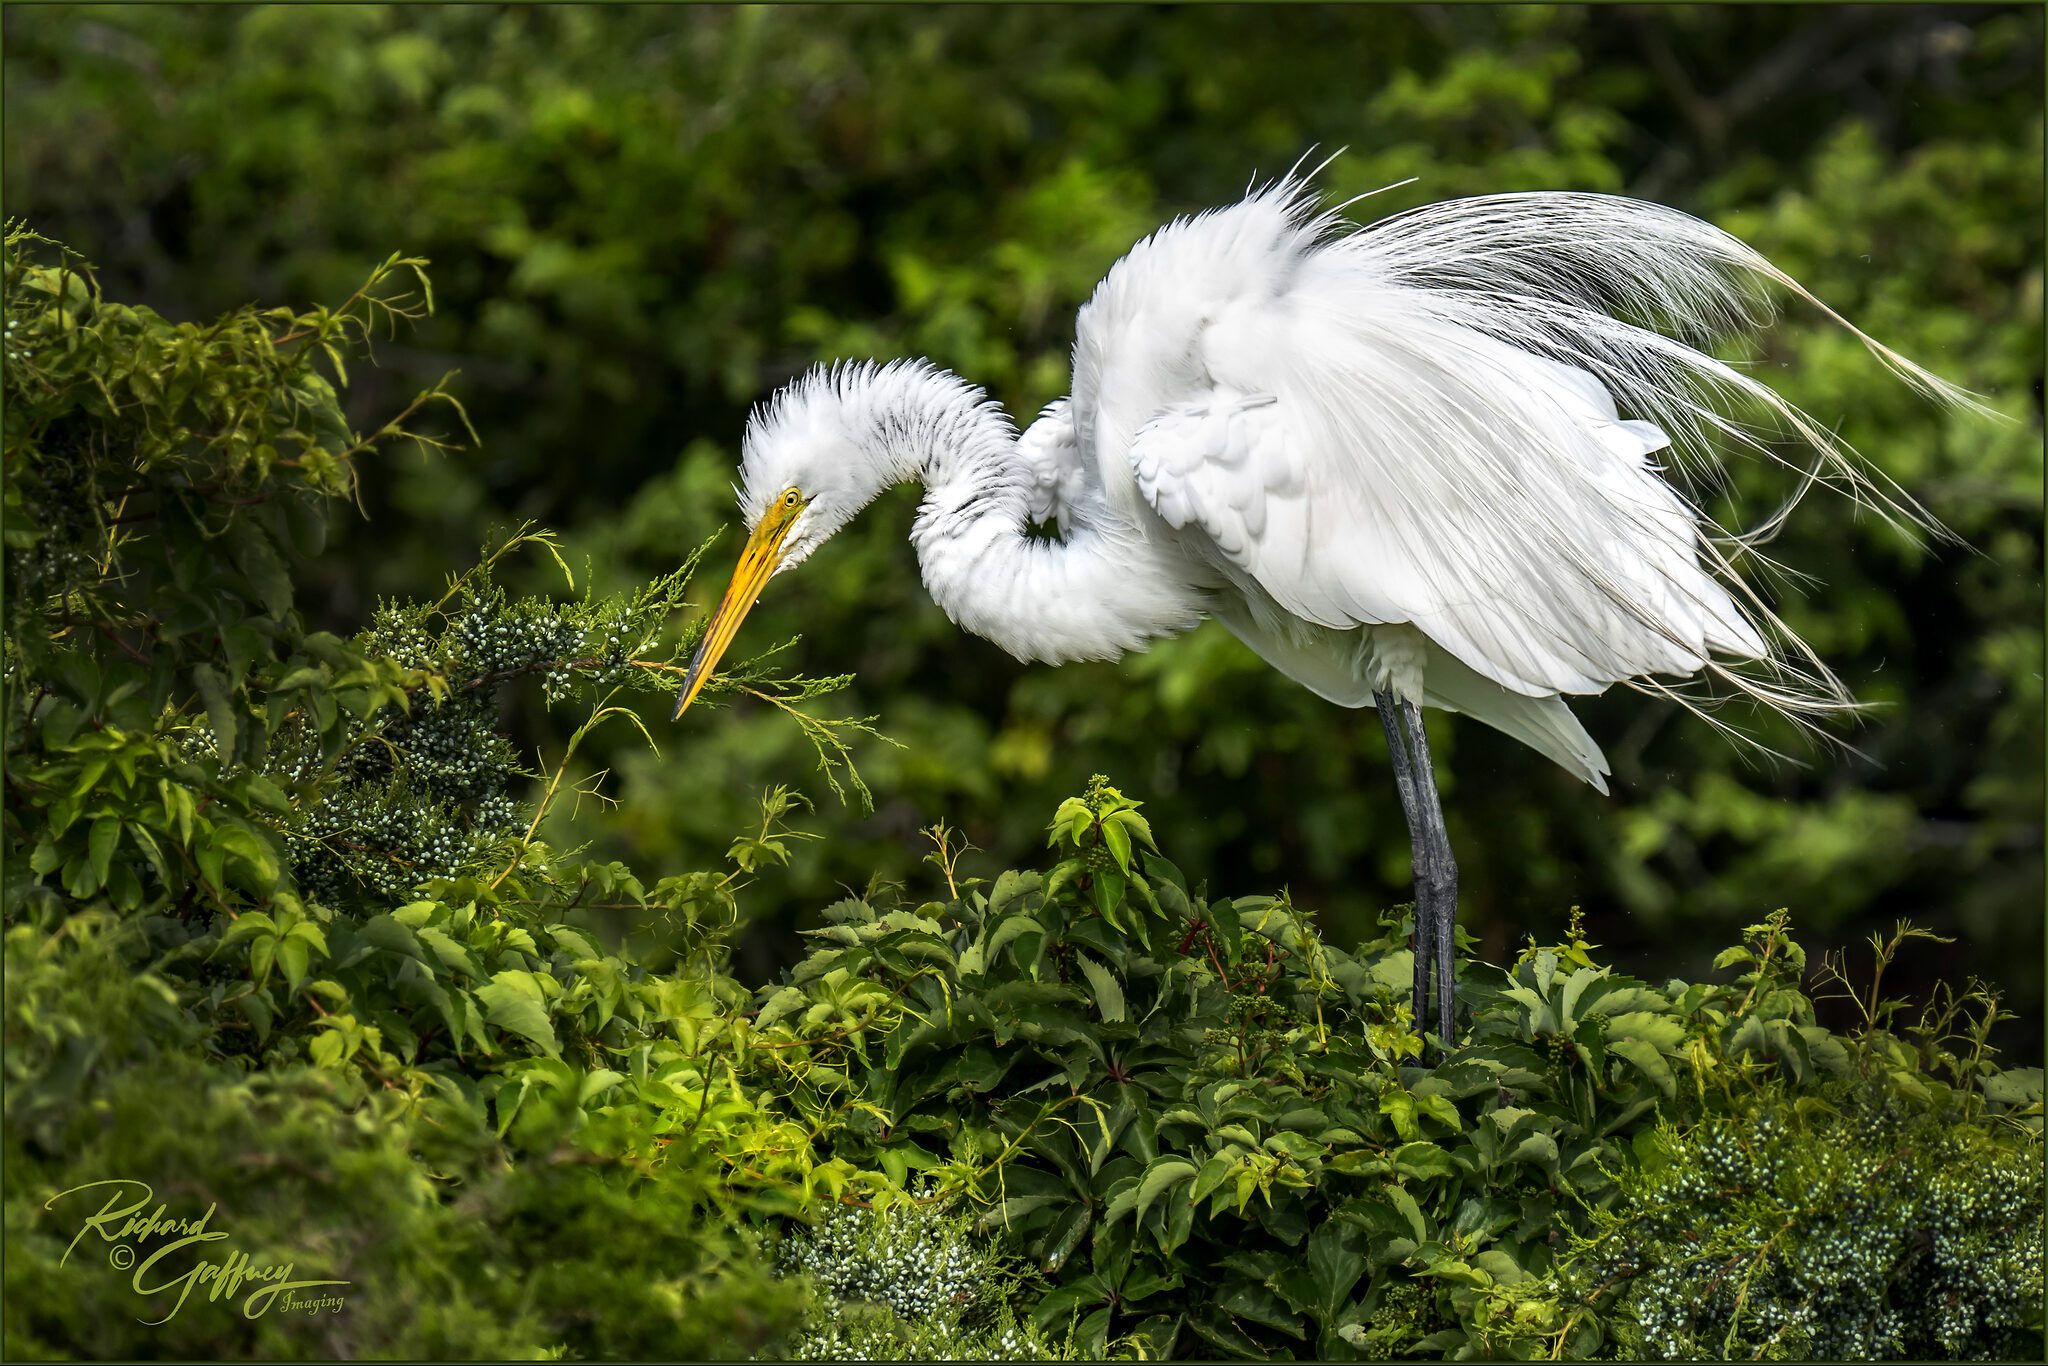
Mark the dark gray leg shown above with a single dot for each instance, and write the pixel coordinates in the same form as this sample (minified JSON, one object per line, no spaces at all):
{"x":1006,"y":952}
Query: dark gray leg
{"x":1421,"y":853}
{"x":1443,"y":869}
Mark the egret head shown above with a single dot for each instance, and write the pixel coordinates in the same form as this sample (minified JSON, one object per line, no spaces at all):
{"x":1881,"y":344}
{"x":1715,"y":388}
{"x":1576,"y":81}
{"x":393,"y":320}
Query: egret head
{"x":803,"y":475}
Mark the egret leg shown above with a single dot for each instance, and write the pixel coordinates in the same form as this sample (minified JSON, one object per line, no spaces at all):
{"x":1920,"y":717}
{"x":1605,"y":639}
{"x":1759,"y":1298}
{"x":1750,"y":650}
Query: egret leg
{"x":1421,"y":852}
{"x":1443,"y":869}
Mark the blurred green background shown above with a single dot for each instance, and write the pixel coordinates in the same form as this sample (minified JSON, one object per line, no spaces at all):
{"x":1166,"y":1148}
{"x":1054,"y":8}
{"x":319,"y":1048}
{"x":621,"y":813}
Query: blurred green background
{"x":642,"y":219}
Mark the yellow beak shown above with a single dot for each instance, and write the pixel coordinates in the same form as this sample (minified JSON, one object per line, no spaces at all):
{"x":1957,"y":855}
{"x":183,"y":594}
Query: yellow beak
{"x":757,"y":564}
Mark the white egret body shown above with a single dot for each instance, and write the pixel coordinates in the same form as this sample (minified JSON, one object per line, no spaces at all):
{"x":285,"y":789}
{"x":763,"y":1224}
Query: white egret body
{"x":1388,"y":459}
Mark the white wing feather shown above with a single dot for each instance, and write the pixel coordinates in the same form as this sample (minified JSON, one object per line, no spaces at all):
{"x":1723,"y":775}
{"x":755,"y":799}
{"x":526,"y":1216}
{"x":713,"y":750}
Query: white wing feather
{"x":1594,"y":578}
{"x":1326,"y":665}
{"x":1417,"y":423}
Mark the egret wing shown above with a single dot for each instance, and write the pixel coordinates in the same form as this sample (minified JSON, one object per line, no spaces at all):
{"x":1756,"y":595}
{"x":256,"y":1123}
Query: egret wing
{"x":1435,"y":476}
{"x":1442,"y":447}
{"x":1321,"y":661}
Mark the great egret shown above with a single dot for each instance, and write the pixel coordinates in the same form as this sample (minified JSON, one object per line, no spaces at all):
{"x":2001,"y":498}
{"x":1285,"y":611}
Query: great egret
{"x":1388,"y":459}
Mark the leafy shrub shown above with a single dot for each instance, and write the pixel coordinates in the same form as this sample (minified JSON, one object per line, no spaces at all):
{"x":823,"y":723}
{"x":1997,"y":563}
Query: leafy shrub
{"x":281,"y":938}
{"x":1894,"y":1209}
{"x":1207,"y":1128}
{"x":446,"y":1247}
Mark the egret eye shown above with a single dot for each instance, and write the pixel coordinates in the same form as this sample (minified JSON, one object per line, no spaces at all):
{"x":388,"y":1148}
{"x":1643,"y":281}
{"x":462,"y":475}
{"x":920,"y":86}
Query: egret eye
{"x":789,"y":499}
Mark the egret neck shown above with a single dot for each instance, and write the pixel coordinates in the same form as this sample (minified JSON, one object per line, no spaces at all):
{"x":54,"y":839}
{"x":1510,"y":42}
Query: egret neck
{"x":839,"y":437}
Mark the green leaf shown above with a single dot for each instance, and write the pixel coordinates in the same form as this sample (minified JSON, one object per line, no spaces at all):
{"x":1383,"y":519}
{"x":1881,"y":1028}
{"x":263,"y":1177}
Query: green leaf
{"x":1006,"y":1215}
{"x":1118,"y":841}
{"x":105,"y":837}
{"x":1160,"y":1177}
{"x":1213,"y":1174}
{"x":1336,"y":1263}
{"x":1109,"y":997}
{"x":785,"y":1001}
{"x":1661,"y":1031}
{"x":1538,"y":1148}
{"x":1015,"y":924}
{"x":255,"y":1008}
{"x":450,"y":954}
{"x":1644,"y":1057}
{"x":291,"y":960}
{"x":1568,"y":995}
{"x":1500,"y":1266}
{"x":1246,"y":1300}
{"x":1424,"y":1161}
{"x":513,"y":1003}
{"x":311,"y":934}
{"x":253,"y":855}
{"x":263,"y":567}
{"x":1066,"y":1235}
{"x":1011,"y":886}
{"x":574,"y":942}
{"x":1404,"y":1205}
{"x":248,"y":924}
{"x":2016,"y":1086}
{"x":1054,"y":1312}
{"x":1109,"y":894}
{"x":389,"y":933}
{"x":596,"y":1083}
{"x":1139,"y":827}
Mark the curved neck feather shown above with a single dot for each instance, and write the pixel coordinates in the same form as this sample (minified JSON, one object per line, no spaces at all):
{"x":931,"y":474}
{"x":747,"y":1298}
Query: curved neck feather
{"x":1103,"y":590}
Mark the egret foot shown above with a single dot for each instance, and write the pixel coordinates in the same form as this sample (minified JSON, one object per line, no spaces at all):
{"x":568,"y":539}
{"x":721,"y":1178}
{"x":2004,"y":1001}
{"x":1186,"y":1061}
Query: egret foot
{"x":1435,"y":868}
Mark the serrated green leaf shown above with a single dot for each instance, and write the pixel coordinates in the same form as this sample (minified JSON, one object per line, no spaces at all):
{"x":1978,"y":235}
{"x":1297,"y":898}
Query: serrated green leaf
{"x":101,"y":843}
{"x":513,"y":1003}
{"x":1644,"y":1057}
{"x":1109,"y":997}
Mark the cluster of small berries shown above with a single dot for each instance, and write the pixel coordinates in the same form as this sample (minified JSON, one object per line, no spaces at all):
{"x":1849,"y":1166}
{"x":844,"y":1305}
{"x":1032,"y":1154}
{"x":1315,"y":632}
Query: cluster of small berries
{"x":428,"y":796}
{"x":1847,"y":1237}
{"x":905,"y":1285}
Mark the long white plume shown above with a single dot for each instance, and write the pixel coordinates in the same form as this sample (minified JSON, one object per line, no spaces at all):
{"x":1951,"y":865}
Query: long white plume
{"x":1632,"y":291}
{"x":1636,"y":294}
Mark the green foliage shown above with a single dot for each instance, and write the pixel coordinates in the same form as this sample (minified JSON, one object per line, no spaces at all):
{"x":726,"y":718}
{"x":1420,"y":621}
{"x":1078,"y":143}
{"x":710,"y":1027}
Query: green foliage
{"x":447,"y":1248}
{"x":283,"y":938}
{"x":643,"y":218}
{"x":1203,"y":1123}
